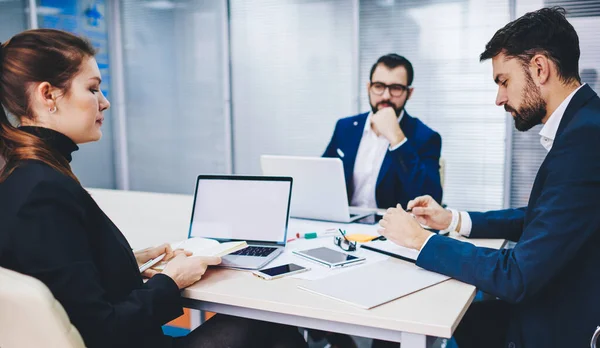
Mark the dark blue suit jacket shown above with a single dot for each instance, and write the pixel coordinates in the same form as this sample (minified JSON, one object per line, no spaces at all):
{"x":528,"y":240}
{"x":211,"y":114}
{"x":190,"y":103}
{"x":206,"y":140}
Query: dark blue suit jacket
{"x":552,"y":276}
{"x":411,"y":170}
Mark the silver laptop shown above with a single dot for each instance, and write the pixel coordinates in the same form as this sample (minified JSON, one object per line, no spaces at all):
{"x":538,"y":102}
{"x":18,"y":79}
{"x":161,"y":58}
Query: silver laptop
{"x":319,"y":187}
{"x":254,"y":209}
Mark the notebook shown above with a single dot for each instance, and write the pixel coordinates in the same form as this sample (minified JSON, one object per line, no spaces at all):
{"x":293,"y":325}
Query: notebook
{"x":388,"y":248}
{"x":205,"y":247}
{"x":391,"y":279}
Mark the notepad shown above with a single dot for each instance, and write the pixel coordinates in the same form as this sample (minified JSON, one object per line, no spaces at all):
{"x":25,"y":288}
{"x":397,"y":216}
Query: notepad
{"x":360,"y":237}
{"x":388,"y":248}
{"x":387,"y":281}
{"x":205,"y":247}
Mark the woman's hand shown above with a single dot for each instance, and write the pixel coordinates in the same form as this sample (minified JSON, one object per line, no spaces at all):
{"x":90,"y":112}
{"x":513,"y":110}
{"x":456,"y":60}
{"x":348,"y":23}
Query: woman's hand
{"x":185,"y":270}
{"x":143,"y":256}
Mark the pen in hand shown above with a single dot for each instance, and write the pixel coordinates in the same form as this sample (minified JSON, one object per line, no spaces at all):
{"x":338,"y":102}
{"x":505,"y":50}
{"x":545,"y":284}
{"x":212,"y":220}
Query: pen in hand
{"x":150,"y":263}
{"x":382,"y":238}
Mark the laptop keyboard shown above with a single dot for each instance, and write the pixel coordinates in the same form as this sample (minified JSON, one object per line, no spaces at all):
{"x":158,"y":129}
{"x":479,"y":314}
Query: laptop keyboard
{"x":255,"y":251}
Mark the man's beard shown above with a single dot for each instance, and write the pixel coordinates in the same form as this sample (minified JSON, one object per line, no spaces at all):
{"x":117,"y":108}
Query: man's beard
{"x":398,"y":111}
{"x":533,"y":110}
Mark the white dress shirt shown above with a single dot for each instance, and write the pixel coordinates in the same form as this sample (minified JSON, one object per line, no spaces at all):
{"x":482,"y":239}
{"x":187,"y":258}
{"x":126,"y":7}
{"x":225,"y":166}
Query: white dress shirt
{"x":548,"y":133}
{"x":370,"y":155}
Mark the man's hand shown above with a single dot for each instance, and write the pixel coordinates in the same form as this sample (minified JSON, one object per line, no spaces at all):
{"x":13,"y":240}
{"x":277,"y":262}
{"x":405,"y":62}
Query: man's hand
{"x":385,"y":123}
{"x":428,"y":212}
{"x":402,"y":229}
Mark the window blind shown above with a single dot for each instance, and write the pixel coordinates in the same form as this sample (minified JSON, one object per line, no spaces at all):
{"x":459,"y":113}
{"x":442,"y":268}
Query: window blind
{"x":174,"y":81}
{"x":13,"y":18}
{"x":292,"y":76}
{"x":528,"y":153}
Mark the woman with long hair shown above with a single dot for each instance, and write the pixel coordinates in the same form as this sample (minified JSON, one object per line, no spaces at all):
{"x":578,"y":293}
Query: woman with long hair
{"x":53,"y":230}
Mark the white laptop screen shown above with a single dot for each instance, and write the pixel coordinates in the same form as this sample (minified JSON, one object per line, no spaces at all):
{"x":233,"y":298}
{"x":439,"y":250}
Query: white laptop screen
{"x":241,"y":209}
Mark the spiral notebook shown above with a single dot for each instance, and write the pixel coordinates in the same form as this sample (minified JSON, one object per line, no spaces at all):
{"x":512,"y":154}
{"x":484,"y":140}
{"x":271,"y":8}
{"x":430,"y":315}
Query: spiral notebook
{"x":390,"y":249}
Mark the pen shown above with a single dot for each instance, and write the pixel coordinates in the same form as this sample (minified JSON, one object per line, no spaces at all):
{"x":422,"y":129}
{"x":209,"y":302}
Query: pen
{"x":151,"y":263}
{"x":409,"y":210}
{"x":155,"y":260}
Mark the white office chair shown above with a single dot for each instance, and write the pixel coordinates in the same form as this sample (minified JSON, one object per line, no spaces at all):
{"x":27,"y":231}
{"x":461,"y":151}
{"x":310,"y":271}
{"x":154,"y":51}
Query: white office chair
{"x":595,"y":338}
{"x":31,"y":317}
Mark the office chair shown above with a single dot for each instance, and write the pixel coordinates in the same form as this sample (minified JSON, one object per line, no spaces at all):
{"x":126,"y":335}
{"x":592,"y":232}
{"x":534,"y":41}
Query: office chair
{"x":442,"y":172}
{"x":442,"y":179}
{"x":31,"y":317}
{"x":594,"y":340}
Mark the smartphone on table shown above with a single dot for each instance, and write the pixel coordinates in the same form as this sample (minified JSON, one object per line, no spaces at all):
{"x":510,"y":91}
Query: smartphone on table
{"x":280,"y":271}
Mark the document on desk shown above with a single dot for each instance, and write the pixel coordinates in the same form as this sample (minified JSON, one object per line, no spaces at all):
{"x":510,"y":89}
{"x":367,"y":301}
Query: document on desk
{"x":387,"y":247}
{"x":391,"y":280}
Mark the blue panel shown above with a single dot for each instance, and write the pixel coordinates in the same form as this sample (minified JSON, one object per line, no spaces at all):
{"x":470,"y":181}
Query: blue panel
{"x":174,"y":331}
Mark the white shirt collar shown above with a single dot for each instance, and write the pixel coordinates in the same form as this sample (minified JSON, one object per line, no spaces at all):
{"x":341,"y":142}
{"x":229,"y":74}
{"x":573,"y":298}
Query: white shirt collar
{"x":368,"y":128}
{"x":548,"y":132}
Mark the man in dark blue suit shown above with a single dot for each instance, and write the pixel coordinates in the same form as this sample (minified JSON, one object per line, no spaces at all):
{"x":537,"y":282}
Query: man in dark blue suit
{"x":547,"y":286}
{"x":389,"y":157}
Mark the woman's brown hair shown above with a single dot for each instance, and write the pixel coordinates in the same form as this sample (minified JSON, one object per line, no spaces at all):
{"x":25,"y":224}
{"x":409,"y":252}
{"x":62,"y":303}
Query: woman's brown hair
{"x":28,"y":58}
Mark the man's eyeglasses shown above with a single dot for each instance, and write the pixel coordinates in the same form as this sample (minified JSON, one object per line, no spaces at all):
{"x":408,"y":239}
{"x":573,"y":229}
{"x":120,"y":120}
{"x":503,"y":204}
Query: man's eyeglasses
{"x":396,"y":90}
{"x":343,"y":242}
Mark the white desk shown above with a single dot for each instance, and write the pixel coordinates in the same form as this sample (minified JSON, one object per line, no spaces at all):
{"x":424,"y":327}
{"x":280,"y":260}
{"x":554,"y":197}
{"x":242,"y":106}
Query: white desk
{"x":149,"y":219}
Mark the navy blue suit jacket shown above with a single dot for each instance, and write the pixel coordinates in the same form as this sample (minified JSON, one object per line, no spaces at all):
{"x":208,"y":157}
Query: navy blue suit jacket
{"x":551,"y":277}
{"x":411,"y":170}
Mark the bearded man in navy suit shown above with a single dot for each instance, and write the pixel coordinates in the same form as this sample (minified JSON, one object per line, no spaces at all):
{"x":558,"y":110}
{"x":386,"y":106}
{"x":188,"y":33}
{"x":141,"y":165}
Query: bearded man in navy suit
{"x":548,"y":285}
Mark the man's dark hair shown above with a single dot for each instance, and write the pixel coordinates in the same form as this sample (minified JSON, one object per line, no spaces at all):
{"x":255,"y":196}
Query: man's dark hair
{"x":392,"y":61}
{"x":545,"y":31}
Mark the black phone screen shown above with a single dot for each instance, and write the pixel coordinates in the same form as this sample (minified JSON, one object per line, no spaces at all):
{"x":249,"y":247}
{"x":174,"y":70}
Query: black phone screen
{"x":275,"y":271}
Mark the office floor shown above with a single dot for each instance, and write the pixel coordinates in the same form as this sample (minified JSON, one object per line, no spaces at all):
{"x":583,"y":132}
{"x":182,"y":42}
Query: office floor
{"x":362,"y":342}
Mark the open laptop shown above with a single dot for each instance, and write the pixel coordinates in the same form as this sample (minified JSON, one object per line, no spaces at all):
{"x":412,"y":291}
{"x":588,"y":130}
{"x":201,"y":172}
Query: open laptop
{"x":254,"y":209}
{"x":319,"y":187}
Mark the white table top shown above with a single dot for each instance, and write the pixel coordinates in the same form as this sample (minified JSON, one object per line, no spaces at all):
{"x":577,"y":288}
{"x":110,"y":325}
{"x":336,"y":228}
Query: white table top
{"x":435,"y":311}
{"x":148,"y":219}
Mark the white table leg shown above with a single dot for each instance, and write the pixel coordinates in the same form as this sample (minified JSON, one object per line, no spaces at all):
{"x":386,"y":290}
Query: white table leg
{"x":410,"y":340}
{"x":195,"y":319}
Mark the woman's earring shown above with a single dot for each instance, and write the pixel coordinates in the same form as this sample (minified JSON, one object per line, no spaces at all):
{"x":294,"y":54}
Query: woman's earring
{"x":52,"y":110}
